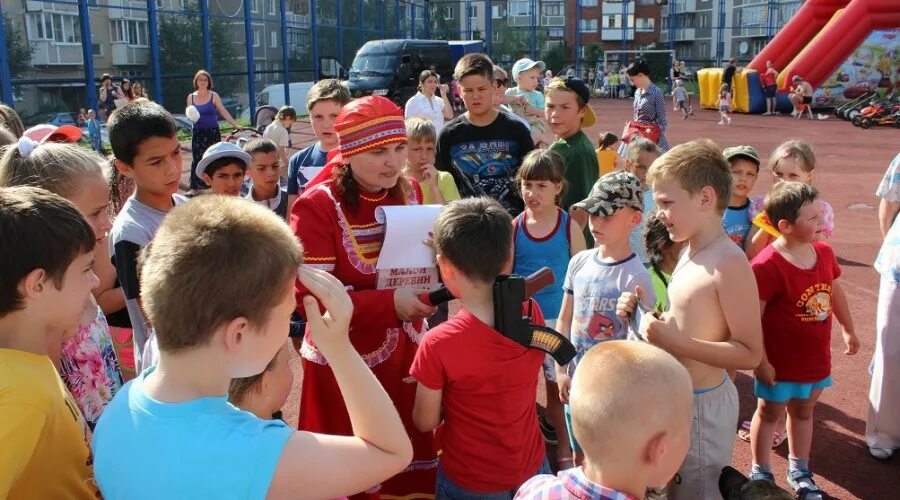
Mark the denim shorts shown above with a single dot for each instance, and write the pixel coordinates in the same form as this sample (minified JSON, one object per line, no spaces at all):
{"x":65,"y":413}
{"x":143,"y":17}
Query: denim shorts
{"x":445,"y":489}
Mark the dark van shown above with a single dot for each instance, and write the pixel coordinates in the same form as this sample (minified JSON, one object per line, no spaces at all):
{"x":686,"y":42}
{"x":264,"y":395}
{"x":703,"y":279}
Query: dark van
{"x":391,"y":67}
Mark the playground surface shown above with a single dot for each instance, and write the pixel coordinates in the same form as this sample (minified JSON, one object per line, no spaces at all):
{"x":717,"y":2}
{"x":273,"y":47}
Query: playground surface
{"x":851,"y":162}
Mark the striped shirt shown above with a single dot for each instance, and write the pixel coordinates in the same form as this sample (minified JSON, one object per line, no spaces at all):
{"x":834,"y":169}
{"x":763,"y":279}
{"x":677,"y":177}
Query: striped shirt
{"x":570,"y":484}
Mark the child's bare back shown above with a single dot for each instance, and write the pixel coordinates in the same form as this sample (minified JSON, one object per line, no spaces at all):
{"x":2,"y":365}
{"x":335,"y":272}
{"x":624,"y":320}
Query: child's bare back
{"x":709,"y":292}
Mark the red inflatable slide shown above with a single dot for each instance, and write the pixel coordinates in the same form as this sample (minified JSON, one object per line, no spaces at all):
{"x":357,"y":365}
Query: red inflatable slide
{"x":815,"y":42}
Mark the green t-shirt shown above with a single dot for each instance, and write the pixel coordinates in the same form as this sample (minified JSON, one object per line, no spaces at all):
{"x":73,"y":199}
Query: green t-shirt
{"x":582,"y":170}
{"x":660,"y":289}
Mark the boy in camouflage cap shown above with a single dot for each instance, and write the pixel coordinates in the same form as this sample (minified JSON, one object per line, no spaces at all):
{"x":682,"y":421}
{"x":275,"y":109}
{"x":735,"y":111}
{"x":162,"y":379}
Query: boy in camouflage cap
{"x":597,"y":277}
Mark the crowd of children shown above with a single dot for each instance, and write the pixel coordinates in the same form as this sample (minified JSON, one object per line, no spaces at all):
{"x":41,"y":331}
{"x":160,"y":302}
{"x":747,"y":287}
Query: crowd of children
{"x":210,"y":288}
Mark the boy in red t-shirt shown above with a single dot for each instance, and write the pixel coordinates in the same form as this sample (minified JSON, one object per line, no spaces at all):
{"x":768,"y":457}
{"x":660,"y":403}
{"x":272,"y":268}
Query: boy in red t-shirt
{"x":797,"y":277}
{"x":479,"y":384}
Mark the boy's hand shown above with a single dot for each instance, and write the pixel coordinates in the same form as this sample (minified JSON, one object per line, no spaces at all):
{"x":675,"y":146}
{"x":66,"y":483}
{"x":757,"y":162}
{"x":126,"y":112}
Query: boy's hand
{"x":327,"y":329}
{"x":627,"y":303}
{"x":429,"y":175}
{"x":659,"y":331}
{"x":852,"y":343}
{"x":564,"y":382}
{"x":445,"y":89}
{"x":765,"y":373}
{"x":408,"y":305}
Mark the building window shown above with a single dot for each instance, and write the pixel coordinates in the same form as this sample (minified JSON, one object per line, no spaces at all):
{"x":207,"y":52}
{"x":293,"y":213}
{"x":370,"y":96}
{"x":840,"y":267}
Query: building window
{"x":160,"y":4}
{"x":519,"y":8}
{"x":257,"y":37}
{"x":448,"y":13}
{"x":254,"y":6}
{"x":552,"y":9}
{"x":613,"y":21}
{"x":59,"y":28}
{"x":273,"y":39}
{"x":588,"y":3}
{"x":271,"y":7}
{"x":588,"y":26}
{"x":557,"y":32}
{"x":645,"y":24}
{"x":129,"y":31}
{"x":498,"y":11}
{"x":474,"y":12}
{"x":259,"y":68}
{"x":496,"y":35}
{"x":96,"y":50}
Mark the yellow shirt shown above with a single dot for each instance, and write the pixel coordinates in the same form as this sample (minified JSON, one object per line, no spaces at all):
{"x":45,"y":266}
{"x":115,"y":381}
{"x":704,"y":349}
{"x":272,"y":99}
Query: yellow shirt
{"x":447,"y":187}
{"x":44,"y":451}
{"x":607,"y":159}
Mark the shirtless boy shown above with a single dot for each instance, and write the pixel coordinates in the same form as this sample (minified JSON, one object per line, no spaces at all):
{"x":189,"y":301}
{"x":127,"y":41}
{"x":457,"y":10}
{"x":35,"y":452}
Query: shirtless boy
{"x":711,"y":324}
{"x":801,"y":93}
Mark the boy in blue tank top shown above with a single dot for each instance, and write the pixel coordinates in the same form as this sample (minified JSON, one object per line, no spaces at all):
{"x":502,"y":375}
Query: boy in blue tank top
{"x":736,"y":220}
{"x":596,"y":278}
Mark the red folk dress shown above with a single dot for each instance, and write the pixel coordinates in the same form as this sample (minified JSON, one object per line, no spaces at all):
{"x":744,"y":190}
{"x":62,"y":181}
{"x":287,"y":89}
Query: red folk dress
{"x":347,"y":244}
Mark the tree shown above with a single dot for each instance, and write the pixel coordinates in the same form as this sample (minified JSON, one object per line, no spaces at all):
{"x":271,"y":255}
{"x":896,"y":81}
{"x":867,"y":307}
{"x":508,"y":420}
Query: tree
{"x":18,"y":48}
{"x":181,"y":52}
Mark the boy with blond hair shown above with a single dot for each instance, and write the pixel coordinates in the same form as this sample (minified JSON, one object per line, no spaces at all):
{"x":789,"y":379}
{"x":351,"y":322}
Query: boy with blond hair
{"x":47,"y":251}
{"x":438,"y":187}
{"x":627,"y":449}
{"x":177,"y":411}
{"x":713,"y":319}
{"x":323,"y":103}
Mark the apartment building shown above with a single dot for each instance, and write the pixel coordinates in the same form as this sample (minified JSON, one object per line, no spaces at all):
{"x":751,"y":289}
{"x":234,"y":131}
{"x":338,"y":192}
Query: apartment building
{"x":708,"y":32}
{"x":615,"y":25}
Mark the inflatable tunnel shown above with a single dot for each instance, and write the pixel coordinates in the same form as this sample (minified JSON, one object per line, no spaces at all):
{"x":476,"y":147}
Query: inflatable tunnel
{"x":813,"y":44}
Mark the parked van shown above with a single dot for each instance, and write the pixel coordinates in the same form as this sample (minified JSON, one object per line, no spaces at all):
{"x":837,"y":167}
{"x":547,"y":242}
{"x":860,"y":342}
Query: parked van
{"x":273,"y":95}
{"x":391,"y":67}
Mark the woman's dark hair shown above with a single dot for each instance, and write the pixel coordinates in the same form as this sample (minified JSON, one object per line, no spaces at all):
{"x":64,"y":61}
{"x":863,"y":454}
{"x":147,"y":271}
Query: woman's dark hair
{"x":126,"y":91}
{"x":656,"y":239}
{"x":346,"y":185}
{"x":639,"y":67}
{"x":428,"y":73}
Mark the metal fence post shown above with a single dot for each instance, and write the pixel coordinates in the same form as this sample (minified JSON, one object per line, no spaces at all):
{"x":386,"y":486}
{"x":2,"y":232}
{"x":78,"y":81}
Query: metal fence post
{"x":427,"y":17}
{"x":533,"y":41}
{"x":468,"y":14}
{"x":625,"y":25}
{"x":6,"y":93}
{"x":381,"y":20}
{"x":87,"y":52}
{"x":578,"y":14}
{"x":251,"y":68}
{"x":720,"y":34}
{"x":488,"y":26}
{"x":314,"y":38}
{"x":412,"y":20}
{"x":153,"y":28}
{"x":284,"y":53}
{"x":397,"y":17}
{"x":204,"y":27}
{"x":340,"y":30}
{"x":362,"y":29}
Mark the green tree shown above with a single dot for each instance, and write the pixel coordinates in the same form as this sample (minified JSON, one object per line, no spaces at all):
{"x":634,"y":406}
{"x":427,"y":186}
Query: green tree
{"x":181,"y":52}
{"x":18,"y":48}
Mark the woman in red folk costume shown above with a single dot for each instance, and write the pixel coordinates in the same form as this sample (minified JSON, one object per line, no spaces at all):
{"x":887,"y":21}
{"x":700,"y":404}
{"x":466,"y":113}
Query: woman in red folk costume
{"x":335,"y":221}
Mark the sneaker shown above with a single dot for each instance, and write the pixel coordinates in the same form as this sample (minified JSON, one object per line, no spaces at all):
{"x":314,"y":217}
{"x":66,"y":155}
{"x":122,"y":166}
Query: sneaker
{"x":804,"y":486}
{"x":794,"y":113}
{"x":547,"y":430}
{"x":721,"y":123}
{"x":881,"y":453}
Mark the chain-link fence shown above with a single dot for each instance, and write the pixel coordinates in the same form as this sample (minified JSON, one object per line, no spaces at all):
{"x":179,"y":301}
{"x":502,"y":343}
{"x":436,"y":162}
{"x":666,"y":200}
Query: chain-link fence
{"x":53,"y":52}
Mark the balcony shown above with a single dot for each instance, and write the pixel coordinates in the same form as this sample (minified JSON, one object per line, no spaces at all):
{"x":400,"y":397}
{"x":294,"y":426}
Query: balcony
{"x":615,"y":34}
{"x":127,"y":9}
{"x":553,"y":20}
{"x":519,"y":21}
{"x":39,"y":6}
{"x":124,"y":54}
{"x":684,"y":6}
{"x":47,"y":53}
{"x":749,"y":31}
{"x":611,"y":9}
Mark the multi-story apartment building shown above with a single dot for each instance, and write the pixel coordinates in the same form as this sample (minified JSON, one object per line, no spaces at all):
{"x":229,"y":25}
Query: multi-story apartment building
{"x":615,"y":25}
{"x":708,"y":32}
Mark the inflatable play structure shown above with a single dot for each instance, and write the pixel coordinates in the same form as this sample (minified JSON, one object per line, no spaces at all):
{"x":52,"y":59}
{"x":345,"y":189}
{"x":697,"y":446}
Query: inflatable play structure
{"x":822,"y":40}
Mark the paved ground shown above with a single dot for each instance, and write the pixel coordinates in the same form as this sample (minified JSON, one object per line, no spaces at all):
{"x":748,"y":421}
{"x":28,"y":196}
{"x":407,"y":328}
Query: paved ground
{"x":851,"y":161}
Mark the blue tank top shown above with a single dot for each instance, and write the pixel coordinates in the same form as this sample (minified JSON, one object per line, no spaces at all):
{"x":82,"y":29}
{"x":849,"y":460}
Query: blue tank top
{"x":209,"y":117}
{"x":550,"y":251}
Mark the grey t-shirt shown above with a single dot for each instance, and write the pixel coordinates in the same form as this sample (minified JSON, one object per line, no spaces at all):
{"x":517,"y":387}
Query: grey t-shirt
{"x":133,"y":229}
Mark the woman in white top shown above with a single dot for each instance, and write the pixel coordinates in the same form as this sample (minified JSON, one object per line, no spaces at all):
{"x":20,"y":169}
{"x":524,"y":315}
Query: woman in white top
{"x":427,"y":105}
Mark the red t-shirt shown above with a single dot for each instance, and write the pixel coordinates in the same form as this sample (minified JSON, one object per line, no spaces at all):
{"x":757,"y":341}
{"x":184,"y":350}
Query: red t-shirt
{"x":490,"y":436}
{"x":768,"y":79}
{"x":797,"y":319}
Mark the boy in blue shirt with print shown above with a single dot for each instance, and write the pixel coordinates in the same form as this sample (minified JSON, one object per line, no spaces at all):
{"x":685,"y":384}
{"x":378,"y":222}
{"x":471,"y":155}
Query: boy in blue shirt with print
{"x":597,"y":277}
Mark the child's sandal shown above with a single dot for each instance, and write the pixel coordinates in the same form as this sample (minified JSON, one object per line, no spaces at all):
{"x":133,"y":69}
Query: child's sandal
{"x":802,"y":493}
{"x":760,"y":476}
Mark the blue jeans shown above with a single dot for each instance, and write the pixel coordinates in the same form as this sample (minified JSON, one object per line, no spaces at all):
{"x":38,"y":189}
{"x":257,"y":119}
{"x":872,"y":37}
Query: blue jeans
{"x":445,"y":489}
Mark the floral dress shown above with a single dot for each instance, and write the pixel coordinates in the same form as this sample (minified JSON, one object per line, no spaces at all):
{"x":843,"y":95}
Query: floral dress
{"x":90,"y":369}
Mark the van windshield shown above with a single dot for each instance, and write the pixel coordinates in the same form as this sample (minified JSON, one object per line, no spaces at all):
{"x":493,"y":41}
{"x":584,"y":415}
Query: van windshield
{"x":373,"y":63}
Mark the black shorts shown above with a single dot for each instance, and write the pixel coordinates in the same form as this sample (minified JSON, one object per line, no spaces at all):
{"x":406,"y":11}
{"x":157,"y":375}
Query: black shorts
{"x":769,"y":91}
{"x":807,"y":99}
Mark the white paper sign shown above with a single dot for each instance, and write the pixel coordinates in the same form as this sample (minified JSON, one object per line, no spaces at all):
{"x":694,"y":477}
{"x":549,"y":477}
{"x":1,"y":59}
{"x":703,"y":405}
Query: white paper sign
{"x":310,"y":172}
{"x":405,"y":261}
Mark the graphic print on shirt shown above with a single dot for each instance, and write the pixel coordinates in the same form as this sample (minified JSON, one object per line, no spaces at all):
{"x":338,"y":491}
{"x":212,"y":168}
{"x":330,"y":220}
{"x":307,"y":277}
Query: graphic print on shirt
{"x":815,"y":303}
{"x":489,"y":164}
{"x":594,"y":320}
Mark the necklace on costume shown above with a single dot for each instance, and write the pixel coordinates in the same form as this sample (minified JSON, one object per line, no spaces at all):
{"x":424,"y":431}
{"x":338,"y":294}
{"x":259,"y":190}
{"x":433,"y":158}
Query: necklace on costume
{"x":698,"y":252}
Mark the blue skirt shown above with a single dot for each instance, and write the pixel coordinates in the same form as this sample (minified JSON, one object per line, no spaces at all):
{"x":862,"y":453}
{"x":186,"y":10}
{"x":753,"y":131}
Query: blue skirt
{"x":782,"y":392}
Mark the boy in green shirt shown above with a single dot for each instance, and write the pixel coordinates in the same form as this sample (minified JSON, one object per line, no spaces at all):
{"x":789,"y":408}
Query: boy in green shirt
{"x":567,"y":111}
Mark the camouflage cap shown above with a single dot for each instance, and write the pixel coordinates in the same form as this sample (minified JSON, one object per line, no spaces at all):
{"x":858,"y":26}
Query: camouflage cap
{"x":748,"y":152}
{"x":612,"y":192}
